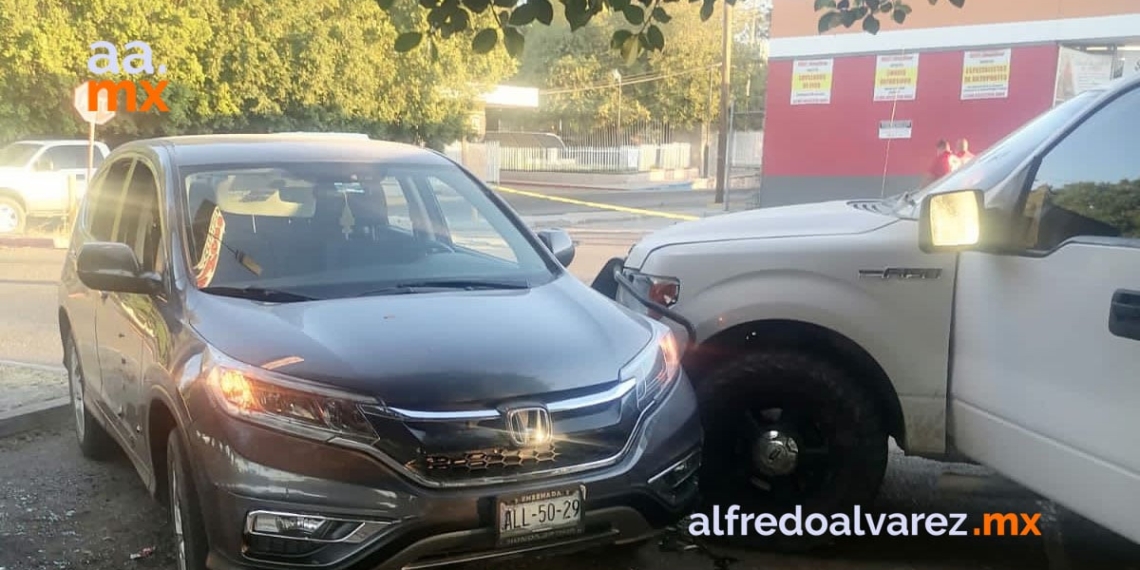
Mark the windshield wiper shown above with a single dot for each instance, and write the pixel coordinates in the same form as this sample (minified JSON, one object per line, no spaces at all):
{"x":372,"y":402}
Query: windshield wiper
{"x":430,"y":284}
{"x":259,"y":294}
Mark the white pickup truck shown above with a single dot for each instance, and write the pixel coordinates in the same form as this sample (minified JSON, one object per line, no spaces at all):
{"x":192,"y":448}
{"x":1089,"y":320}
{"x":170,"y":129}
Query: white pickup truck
{"x":993,"y":316}
{"x":34,"y":179}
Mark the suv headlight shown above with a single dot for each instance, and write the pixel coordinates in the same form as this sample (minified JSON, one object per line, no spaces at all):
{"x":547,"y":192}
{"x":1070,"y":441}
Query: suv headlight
{"x":286,"y":404}
{"x":656,"y":367}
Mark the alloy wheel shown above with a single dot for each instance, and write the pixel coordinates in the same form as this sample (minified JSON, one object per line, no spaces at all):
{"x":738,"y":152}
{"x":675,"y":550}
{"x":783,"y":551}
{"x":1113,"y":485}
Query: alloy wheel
{"x":75,"y":379}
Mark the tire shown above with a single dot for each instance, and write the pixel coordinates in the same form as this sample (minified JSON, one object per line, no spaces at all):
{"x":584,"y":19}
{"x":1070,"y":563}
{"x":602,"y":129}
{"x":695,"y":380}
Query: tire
{"x":94,"y":441}
{"x":13,"y":218}
{"x":786,"y":428}
{"x":190,"y":543}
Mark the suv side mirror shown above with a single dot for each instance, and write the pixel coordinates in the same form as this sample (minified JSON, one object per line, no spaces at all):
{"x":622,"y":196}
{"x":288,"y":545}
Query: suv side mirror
{"x":559,"y":243}
{"x":108,"y":266}
{"x":951,"y":221}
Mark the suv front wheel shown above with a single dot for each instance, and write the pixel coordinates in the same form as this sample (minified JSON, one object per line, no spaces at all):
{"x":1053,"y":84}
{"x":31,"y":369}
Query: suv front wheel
{"x":190,"y":543}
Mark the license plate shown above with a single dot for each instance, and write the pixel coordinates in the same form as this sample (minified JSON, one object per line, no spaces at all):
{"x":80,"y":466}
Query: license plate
{"x":541,"y":515}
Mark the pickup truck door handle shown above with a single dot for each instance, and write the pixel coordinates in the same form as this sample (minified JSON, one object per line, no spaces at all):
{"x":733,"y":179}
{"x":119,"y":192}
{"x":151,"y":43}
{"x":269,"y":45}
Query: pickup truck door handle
{"x":1124,"y":314}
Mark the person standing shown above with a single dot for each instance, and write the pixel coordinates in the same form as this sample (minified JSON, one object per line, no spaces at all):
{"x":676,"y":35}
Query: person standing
{"x":964,"y":154}
{"x":945,"y":162}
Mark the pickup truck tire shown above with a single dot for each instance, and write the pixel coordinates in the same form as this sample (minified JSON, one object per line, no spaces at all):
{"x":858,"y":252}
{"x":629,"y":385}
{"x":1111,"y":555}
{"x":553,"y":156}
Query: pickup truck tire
{"x":13,"y":218}
{"x":787,"y":428}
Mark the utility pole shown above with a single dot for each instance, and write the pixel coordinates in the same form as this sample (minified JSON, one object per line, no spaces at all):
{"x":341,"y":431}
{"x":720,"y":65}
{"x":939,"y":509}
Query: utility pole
{"x":725,"y":95}
{"x":617,"y":77}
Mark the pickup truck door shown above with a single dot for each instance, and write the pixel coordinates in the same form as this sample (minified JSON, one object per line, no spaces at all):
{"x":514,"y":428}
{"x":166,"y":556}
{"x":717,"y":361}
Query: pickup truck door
{"x":51,"y":194}
{"x":1045,"y":376}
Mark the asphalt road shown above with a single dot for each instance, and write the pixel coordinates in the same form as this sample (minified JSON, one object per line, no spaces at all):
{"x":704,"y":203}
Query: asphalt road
{"x":28,"y":305}
{"x":664,"y":200}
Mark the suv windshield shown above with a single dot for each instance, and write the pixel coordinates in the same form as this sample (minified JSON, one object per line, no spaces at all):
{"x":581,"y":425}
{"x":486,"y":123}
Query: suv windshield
{"x":324,"y":230}
{"x":991,"y":167}
{"x":17,"y":154}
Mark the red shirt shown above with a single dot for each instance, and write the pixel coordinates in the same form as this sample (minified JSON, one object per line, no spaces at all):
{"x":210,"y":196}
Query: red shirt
{"x":944,"y":164}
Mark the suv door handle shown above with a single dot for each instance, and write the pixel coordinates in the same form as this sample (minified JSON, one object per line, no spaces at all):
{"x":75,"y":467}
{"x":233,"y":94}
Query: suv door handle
{"x":1124,"y":314}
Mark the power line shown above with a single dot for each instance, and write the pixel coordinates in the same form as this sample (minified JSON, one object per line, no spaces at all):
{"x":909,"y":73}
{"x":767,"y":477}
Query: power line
{"x":646,"y":78}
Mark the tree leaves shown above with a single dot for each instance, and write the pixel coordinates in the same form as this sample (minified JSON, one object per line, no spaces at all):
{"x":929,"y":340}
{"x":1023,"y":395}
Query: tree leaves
{"x":634,"y":14}
{"x":408,"y":41}
{"x":846,"y":12}
{"x":871,"y":25}
{"x":707,"y":9}
{"x":655,"y":37}
{"x":485,"y":40}
{"x":543,"y":11}
{"x":514,"y":41}
{"x":661,"y":15}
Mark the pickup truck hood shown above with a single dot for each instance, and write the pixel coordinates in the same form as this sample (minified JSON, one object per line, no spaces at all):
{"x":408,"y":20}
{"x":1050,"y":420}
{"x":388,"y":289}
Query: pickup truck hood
{"x":819,"y":219}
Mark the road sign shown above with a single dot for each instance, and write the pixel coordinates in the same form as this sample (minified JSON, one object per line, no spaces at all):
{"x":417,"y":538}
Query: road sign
{"x":99,"y":116}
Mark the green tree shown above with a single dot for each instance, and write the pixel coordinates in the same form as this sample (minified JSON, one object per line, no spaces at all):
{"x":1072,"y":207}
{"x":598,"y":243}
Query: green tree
{"x":679,"y":83}
{"x":647,"y":18}
{"x":241,"y":66}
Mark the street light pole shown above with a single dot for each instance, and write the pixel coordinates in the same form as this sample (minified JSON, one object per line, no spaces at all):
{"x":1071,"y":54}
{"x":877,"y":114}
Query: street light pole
{"x":725,"y":95}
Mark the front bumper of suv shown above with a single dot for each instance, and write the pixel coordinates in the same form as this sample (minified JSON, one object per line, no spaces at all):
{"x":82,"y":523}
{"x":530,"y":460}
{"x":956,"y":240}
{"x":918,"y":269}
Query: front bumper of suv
{"x":242,"y":469}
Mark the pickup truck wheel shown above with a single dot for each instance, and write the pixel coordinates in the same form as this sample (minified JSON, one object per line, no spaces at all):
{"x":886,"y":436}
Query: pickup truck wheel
{"x":785,"y":428}
{"x":13,"y":219}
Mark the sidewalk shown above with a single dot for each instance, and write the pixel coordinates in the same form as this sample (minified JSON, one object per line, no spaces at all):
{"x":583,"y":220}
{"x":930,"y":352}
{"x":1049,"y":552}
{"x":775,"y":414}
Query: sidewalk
{"x":31,"y":397}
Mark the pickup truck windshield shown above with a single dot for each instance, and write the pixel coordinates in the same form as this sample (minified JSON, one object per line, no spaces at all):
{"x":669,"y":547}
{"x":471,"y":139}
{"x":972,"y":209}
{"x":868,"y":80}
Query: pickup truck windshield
{"x":328,"y":230}
{"x":991,"y":167}
{"x":17,"y":154}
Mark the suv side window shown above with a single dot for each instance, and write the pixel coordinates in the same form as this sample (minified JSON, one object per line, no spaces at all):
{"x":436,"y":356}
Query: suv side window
{"x":105,"y":197}
{"x":139,"y":225}
{"x":69,"y":156}
{"x":1089,"y":183}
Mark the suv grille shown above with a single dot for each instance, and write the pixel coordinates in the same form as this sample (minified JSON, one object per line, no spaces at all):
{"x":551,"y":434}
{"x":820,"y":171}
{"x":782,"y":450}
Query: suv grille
{"x":492,"y":462}
{"x":458,"y":452}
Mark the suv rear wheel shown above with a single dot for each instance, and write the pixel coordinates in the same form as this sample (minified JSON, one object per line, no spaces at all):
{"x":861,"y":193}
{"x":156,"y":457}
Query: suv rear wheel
{"x":94,"y":441}
{"x":786,"y":428}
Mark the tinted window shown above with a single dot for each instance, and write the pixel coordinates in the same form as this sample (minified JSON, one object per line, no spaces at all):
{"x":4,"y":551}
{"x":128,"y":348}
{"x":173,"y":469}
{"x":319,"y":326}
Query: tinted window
{"x":985,"y":171}
{"x":65,"y":157}
{"x":139,"y":223}
{"x":1089,"y":184}
{"x":104,"y":199}
{"x":340,"y":229}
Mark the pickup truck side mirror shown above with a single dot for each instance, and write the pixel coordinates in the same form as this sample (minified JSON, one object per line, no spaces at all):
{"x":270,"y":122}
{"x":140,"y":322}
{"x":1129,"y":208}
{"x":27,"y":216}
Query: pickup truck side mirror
{"x":559,"y":243}
{"x":951,"y":221}
{"x":43,"y":165}
{"x":108,"y":266}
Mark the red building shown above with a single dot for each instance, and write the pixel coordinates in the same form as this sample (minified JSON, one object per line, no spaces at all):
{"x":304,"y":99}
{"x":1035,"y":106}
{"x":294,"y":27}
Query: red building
{"x":850,"y":114}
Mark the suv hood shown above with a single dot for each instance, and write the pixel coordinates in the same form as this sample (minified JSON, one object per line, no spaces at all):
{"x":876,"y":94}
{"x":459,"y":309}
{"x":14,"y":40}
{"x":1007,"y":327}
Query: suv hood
{"x":818,"y":219}
{"x":434,"y":350}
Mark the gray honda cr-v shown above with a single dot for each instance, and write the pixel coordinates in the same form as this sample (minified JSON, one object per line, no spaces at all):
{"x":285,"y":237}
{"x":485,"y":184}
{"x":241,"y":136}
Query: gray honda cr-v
{"x":340,"y":353}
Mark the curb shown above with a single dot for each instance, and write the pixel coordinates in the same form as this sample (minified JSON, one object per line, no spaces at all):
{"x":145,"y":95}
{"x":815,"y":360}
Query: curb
{"x":52,"y":413}
{"x":35,"y":242}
